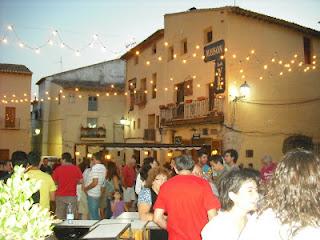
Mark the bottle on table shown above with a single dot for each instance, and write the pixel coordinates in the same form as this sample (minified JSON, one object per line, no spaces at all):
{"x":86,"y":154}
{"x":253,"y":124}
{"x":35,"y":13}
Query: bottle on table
{"x":70,"y":215}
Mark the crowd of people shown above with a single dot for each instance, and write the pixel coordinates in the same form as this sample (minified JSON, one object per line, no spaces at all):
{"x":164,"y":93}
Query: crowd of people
{"x":211,"y":197}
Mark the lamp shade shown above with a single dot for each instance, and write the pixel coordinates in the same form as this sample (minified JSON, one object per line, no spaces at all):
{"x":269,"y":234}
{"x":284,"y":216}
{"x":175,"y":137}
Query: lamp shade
{"x":244,"y":89}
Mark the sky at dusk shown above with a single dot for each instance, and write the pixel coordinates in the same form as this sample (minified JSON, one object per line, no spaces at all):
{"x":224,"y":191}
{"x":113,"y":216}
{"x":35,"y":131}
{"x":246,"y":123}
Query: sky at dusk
{"x":110,"y":25}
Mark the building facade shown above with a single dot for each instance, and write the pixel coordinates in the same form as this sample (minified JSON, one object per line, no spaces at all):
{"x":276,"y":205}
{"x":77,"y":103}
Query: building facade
{"x":183,"y":83}
{"x":77,"y":110}
{"x":15,"y":127}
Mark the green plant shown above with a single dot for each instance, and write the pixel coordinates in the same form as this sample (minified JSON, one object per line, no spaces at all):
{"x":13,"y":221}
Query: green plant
{"x":20,"y":219}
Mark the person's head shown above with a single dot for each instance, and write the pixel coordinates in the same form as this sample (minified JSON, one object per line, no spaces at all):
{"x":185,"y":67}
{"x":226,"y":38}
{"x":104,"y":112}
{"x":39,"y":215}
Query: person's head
{"x":131,"y":161}
{"x":156,"y":177}
{"x":112,"y":170}
{"x":19,"y":158}
{"x":45,"y":161}
{"x":97,"y":157}
{"x":238,"y":189}
{"x":250,"y":165}
{"x":7,"y":166}
{"x":216,"y":162}
{"x":184,"y":162}
{"x":230,"y":156}
{"x":293,"y":192}
{"x":66,"y":157}
{"x":84,"y":164}
{"x":117,"y":195}
{"x":266,"y":160}
{"x":148,"y":163}
{"x":34,"y":159}
{"x":202,"y":157}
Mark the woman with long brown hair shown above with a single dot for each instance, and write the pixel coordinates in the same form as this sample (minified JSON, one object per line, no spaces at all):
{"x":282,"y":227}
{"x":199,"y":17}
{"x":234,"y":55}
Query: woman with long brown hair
{"x":291,"y":207}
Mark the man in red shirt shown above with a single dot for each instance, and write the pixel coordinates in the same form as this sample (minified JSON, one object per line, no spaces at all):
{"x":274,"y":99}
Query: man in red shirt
{"x":128,"y":181}
{"x":188,"y":201}
{"x":267,"y":169}
{"x":66,"y":176}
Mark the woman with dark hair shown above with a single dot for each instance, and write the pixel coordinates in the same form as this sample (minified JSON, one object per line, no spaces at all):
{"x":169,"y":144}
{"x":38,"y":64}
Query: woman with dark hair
{"x":148,"y":196}
{"x":148,"y":163}
{"x":238,"y":196}
{"x":291,"y":207}
{"x":112,"y":184}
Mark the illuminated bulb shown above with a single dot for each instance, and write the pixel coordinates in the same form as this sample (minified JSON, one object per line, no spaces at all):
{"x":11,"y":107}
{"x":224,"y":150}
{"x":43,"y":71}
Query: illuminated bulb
{"x":252,"y":51}
{"x":296,"y":55}
{"x":26,"y":100}
{"x":37,"y":51}
{"x":313,"y":67}
{"x":188,"y":86}
{"x":12,"y":101}
{"x":287,"y":65}
{"x":54,"y":32}
{"x":151,"y":82}
{"x":203,"y":57}
{"x":314,"y":57}
{"x":155,"y":89}
{"x":234,"y":56}
{"x":300,"y":64}
{"x":197,"y":47}
{"x":115,"y":94}
{"x":281,"y":73}
{"x":47,"y":92}
{"x":280,"y":62}
{"x":305,"y":70}
{"x":241,"y":70}
{"x":211,"y":84}
{"x":243,"y":76}
{"x":166,"y":44}
{"x":289,"y":70}
{"x":247,"y":58}
{"x":60,"y":91}
{"x":175,"y":88}
{"x":24,"y":94}
{"x":194,"y":55}
{"x":137,"y":52}
{"x":265,"y":66}
{"x":13,"y":95}
{"x":21,"y":100}
{"x":175,"y":56}
{"x":221,"y":57}
{"x":135,"y":91}
{"x":77,"y":53}
{"x":4,"y":40}
{"x":198,"y":85}
{"x":273,"y":60}
{"x":97,"y":94}
{"x":148,"y":62}
{"x":159,"y":58}
{"x":95,"y":36}
{"x":166,"y":89}
{"x":21,"y":45}
{"x":226,"y":49}
{"x":5,"y":96}
{"x":171,"y":79}
{"x":314,"y":62}
{"x":17,"y":101}
{"x":76,"y":89}
{"x":62,"y":45}
{"x":56,"y":99}
{"x":131,"y":84}
{"x":112,"y":86}
{"x":194,"y":76}
{"x":184,"y":61}
{"x":9,"y":27}
{"x":41,"y":99}
{"x":50,"y":42}
{"x":108,"y":94}
{"x":145,"y":91}
{"x":292,"y":61}
{"x":125,"y":93}
{"x":49,"y":98}
{"x":260,"y":78}
{"x":63,"y":96}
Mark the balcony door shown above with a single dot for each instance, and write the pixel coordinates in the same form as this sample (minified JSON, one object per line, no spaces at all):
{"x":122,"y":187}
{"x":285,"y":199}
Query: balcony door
{"x":10,"y":117}
{"x":180,"y":100}
{"x":211,"y":97}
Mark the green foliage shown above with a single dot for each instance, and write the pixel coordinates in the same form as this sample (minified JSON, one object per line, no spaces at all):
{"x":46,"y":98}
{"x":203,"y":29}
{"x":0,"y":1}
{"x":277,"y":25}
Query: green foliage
{"x":20,"y":219}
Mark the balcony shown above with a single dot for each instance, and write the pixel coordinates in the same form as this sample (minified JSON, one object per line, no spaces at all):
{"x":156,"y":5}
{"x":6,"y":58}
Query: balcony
{"x":149,"y":134}
{"x":93,"y":134}
{"x":140,"y":98}
{"x":192,"y":112}
{"x":10,"y":124}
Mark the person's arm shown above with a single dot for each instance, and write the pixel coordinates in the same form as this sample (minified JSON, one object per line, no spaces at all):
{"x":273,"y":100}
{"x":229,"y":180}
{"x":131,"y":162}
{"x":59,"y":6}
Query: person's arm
{"x":52,"y":196}
{"x":144,"y":212}
{"x":211,"y":213}
{"x":113,"y":206}
{"x":138,"y":186}
{"x":91,"y":185}
{"x":159,"y":218}
{"x":116,"y":183}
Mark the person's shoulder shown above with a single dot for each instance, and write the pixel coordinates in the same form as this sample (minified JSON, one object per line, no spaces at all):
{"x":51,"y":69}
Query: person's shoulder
{"x":145,"y":191}
{"x":215,"y":226}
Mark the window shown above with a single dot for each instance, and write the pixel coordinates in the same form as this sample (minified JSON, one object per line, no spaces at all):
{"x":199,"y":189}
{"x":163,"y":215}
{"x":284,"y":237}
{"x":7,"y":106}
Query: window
{"x":184,"y":46}
{"x":134,"y":124}
{"x":139,"y":123}
{"x":131,"y":87}
{"x":136,"y":60}
{"x":154,"y":85}
{"x":92,"y":122}
{"x":170,"y":53}
{"x":208,"y":37}
{"x":188,"y":88}
{"x":157,"y":121}
{"x":143,"y":84}
{"x":71,"y":98}
{"x":151,"y":121}
{"x":92,"y":103}
{"x":154,"y":48}
{"x":10,"y":117}
{"x":307,"y":50}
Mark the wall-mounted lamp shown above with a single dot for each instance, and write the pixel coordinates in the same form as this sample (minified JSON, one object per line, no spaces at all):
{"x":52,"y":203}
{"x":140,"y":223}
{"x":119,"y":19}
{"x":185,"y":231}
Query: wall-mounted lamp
{"x":108,"y":156}
{"x":37,"y":131}
{"x":244,"y":92}
{"x":124,"y":121}
{"x":89,"y":155}
{"x":169,"y":154}
{"x":146,"y":153}
{"x":77,"y":153}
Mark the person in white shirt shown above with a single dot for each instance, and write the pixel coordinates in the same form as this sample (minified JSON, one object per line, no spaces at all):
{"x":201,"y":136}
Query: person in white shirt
{"x":93,"y":190}
{"x":291,"y":207}
{"x":238,"y":196}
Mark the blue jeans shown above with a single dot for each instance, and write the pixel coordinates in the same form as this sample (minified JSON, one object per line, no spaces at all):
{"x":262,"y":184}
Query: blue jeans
{"x":93,"y":207}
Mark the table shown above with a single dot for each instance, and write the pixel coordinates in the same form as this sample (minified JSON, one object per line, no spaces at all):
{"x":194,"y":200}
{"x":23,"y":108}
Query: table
{"x":74,"y":230}
{"x":137,"y":227}
{"x":129,"y":215}
{"x":107,"y":231}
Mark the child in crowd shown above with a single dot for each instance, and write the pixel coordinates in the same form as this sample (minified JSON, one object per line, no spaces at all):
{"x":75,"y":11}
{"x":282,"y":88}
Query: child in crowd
{"x":118,"y":206}
{"x":238,"y":197}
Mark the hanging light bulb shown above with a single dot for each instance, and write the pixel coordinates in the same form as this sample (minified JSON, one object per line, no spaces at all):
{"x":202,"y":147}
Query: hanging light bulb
{"x":10,"y":28}
{"x":95,"y":36}
{"x":21,"y":45}
{"x":77,"y":53}
{"x":54,"y":32}
{"x":62,"y":45}
{"x":50,"y":42}
{"x":37,"y":51}
{"x":5,"y":40}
